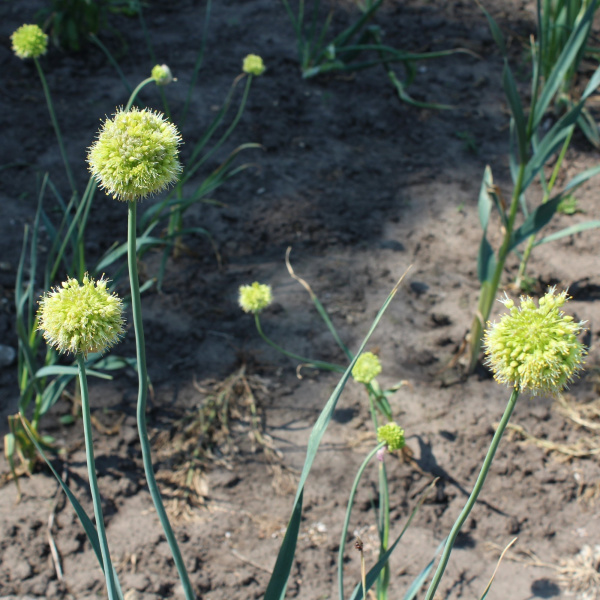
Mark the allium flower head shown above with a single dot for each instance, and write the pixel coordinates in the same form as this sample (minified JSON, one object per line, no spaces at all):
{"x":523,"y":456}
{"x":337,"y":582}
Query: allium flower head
{"x":81,"y":318}
{"x":533,"y":347}
{"x":253,"y":65}
{"x":162,"y":75}
{"x":254,"y":298}
{"x":366,"y":368}
{"x":136,"y":154}
{"x":392,"y":434}
{"x":29,"y":41}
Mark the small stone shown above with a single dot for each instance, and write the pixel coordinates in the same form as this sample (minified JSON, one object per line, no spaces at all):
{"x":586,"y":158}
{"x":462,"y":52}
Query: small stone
{"x":7,"y":355}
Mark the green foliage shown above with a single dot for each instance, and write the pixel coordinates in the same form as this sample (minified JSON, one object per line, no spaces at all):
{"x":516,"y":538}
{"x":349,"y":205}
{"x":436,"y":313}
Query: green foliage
{"x":531,"y":149}
{"x":71,"y":22}
{"x":357,"y":47}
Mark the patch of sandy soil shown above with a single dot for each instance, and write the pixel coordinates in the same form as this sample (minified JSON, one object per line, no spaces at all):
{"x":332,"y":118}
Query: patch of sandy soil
{"x":361,"y":186}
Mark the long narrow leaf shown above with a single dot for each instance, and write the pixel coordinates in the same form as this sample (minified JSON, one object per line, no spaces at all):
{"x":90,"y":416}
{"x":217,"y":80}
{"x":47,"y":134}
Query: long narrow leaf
{"x":88,"y":526}
{"x":516,"y":108}
{"x":568,"y":231}
{"x":278,"y":582}
{"x":374,"y":571}
{"x":538,"y":218}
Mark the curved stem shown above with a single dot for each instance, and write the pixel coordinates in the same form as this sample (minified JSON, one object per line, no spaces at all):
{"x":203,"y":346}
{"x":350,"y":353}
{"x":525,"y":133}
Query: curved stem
{"x":136,"y":306}
{"x":91,"y":465}
{"x":136,"y":91}
{"x":357,"y":479}
{"x":473,"y":497}
{"x":311,"y":363}
{"x":61,"y":146}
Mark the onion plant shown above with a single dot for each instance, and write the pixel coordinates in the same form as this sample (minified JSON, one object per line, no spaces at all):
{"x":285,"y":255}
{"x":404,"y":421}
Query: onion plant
{"x":532,"y":349}
{"x":364,"y":369}
{"x":531,"y":148}
{"x":357,"y":47}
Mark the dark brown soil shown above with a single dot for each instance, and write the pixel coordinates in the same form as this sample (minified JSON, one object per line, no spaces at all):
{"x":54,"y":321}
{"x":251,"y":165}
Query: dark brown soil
{"x":361,"y":186}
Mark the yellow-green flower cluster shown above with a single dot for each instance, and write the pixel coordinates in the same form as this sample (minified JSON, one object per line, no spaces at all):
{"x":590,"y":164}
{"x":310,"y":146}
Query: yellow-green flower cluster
{"x":29,"y":41}
{"x":162,"y":75}
{"x":81,"y":318}
{"x":393,"y":435}
{"x":136,"y":154}
{"x":367,"y":367}
{"x":253,"y":65}
{"x":535,"y":348}
{"x":256,"y":297}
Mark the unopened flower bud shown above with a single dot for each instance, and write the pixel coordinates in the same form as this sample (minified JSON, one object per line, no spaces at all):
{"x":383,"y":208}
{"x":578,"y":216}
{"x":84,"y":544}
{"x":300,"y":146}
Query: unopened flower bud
{"x":162,"y":75}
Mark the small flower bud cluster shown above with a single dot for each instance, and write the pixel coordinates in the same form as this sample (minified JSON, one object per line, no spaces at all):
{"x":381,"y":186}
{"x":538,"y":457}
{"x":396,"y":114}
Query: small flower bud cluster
{"x":366,"y":368}
{"x":29,"y":41}
{"x":254,"y":298}
{"x":253,"y":65}
{"x":533,"y":347}
{"x":136,"y":154}
{"x":393,"y":435}
{"x":162,"y":75}
{"x":81,"y":318}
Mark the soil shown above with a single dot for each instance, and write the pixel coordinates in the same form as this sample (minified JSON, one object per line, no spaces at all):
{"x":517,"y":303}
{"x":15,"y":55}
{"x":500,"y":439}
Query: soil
{"x":361,"y":186}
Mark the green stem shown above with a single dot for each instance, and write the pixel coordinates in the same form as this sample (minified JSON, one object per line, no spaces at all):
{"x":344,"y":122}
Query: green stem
{"x":547,"y":192}
{"x":56,"y":127}
{"x":473,"y":497}
{"x":383,"y":580}
{"x":309,"y":362}
{"x":136,"y":306}
{"x":136,"y":91}
{"x":489,"y":289}
{"x":91,"y":465}
{"x":357,"y":479}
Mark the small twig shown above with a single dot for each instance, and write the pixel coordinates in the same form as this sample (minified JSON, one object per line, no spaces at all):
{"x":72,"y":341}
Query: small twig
{"x":250,"y":562}
{"x":51,"y":517}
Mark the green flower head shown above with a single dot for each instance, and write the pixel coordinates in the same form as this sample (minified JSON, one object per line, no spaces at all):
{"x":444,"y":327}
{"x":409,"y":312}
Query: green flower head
{"x":136,"y":154}
{"x":366,"y":368}
{"x":535,"y":348}
{"x":393,"y":435}
{"x":254,"y":298}
{"x":162,"y":75}
{"x":253,"y":65}
{"x":81,"y":318}
{"x":29,"y":41}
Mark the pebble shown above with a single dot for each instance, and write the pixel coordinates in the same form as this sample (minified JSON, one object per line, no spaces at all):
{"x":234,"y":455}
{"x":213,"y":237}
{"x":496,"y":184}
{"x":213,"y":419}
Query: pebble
{"x":7,"y":357}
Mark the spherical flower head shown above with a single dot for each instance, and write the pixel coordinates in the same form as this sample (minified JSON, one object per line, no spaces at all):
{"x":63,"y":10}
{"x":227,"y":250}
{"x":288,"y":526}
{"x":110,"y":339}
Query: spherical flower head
{"x":535,"y":348}
{"x":29,"y":41}
{"x":253,"y":65}
{"x":162,"y":75}
{"x":256,"y":297}
{"x":366,"y":368}
{"x":136,"y":154}
{"x":81,"y":318}
{"x":393,"y":435}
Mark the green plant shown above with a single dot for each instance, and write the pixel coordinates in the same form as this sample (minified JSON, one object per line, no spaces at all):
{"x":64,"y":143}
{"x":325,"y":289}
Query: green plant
{"x":364,"y":369}
{"x":531,"y":149}
{"x":71,"y":22}
{"x":531,"y":349}
{"x":357,"y":47}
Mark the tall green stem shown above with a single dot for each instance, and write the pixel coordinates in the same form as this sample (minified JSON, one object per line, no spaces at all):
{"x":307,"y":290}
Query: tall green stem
{"x":136,"y":306}
{"x":489,"y":289}
{"x":357,"y":479}
{"x":61,"y":146}
{"x":91,"y":465}
{"x":383,"y":581}
{"x":474,"y":494}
